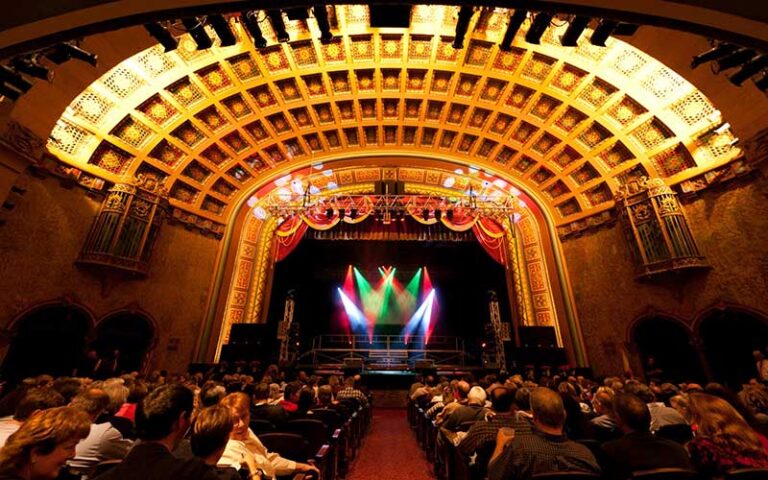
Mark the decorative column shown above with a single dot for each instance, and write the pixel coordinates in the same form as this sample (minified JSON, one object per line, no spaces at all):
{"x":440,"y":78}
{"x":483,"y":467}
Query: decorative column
{"x":656,"y":228}
{"x":125,"y":230}
{"x":519,"y":277}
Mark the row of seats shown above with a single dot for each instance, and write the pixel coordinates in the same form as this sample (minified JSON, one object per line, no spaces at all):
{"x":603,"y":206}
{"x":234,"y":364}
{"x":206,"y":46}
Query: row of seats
{"x":450,"y":464}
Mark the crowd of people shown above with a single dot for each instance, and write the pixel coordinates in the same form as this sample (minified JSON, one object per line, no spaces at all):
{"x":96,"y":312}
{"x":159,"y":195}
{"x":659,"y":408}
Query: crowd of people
{"x":514,"y":428}
{"x":162,"y":426}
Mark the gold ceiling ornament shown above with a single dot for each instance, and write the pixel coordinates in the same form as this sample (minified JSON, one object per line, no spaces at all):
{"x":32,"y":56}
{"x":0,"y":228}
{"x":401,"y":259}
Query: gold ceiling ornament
{"x":574,"y":124}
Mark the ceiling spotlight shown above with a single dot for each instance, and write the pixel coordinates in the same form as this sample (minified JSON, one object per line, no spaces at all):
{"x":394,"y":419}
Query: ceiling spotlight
{"x":734,"y":59}
{"x":251,"y":24}
{"x":438,"y":214}
{"x":762,"y":82}
{"x":66,"y":51}
{"x":162,"y":35}
{"x":718,"y":51}
{"x":276,"y":19}
{"x":223,"y":31}
{"x":342,"y":213}
{"x":575,"y":28}
{"x":9,"y":92}
{"x":604,"y":30}
{"x":14,"y":79}
{"x":321,"y":17}
{"x":296,"y":13}
{"x":462,"y":25}
{"x":425,"y":214}
{"x":30,"y":66}
{"x":328,"y":213}
{"x":197,"y":30}
{"x":538,"y":27}
{"x":449,"y":214}
{"x":515,"y":22}
{"x":749,"y":69}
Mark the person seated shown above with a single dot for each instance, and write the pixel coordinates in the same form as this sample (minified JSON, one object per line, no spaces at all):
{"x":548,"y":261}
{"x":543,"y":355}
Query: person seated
{"x":461,"y":391}
{"x":104,"y":442}
{"x":118,"y":396}
{"x":43,"y":444}
{"x":482,"y":435}
{"x":604,"y":426}
{"x":446,"y":398}
{"x":305,"y":403}
{"x":724,"y":441}
{"x":325,"y":400}
{"x":275,"y":396}
{"x":210,"y":434}
{"x":289,"y":403}
{"x":661,"y":415}
{"x":263,"y":410}
{"x":34,"y":400}
{"x":638,"y":449}
{"x":350,"y":390}
{"x":138,"y":390}
{"x":162,"y":420}
{"x":474,"y":410}
{"x":244,"y":447}
{"x":546,"y":450}
{"x":211,"y":394}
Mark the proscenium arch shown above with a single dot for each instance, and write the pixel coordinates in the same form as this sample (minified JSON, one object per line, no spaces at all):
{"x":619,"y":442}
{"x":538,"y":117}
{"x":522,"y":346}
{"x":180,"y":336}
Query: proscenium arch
{"x":559,"y":286}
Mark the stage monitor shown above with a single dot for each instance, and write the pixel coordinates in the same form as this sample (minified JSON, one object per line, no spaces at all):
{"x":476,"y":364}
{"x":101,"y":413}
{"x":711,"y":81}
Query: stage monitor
{"x":538,"y":337}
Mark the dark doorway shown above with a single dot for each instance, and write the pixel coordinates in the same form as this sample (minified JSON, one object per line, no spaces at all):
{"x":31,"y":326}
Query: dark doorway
{"x":128,"y":333}
{"x":729,"y":337}
{"x":48,"y":340}
{"x":669,"y":343}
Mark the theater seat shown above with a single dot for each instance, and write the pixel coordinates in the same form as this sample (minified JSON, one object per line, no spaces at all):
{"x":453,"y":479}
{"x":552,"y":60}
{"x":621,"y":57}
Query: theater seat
{"x":260,"y":426}
{"x":103,"y":467}
{"x":567,"y":476}
{"x":679,"y":433}
{"x":666,"y":474}
{"x":747,"y":474}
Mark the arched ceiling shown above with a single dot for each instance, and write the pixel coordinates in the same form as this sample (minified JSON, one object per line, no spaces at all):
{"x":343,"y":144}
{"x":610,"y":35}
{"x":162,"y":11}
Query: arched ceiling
{"x":573,"y":124}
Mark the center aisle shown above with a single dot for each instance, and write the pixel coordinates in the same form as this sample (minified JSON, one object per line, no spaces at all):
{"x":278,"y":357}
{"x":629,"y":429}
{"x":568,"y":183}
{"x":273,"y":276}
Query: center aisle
{"x":390,"y":450}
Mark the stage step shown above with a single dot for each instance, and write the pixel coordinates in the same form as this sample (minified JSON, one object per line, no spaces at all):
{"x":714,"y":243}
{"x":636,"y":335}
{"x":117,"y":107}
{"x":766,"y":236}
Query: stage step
{"x":373,"y":354}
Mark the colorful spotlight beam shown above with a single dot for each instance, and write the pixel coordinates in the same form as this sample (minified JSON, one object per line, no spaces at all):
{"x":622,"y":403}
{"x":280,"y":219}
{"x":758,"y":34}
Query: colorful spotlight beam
{"x":356,"y":317}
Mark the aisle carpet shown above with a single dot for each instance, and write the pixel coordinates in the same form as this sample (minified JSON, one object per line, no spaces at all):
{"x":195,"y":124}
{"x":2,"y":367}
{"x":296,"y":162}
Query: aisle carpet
{"x":390,"y":450}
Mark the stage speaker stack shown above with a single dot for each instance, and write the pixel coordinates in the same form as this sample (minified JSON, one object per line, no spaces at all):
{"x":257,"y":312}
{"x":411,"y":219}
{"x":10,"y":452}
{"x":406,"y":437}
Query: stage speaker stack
{"x":353,"y":366}
{"x":250,"y":341}
{"x":538,"y":346}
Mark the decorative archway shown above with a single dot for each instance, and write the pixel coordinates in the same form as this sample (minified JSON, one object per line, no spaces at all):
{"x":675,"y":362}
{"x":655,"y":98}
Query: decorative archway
{"x":670,"y":343}
{"x":130,"y":332}
{"x":48,"y":338}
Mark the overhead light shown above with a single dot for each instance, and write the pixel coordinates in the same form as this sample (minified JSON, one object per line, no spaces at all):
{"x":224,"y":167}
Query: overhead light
{"x":718,"y":51}
{"x":223,"y":31}
{"x":462,"y":25}
{"x":66,"y":51}
{"x":196,"y":29}
{"x":604,"y":30}
{"x":9,"y":92}
{"x":734,"y":59}
{"x":321,"y":17}
{"x":296,"y":13}
{"x":353,"y":213}
{"x":276,"y":19}
{"x":30,"y":66}
{"x":515,"y":22}
{"x":575,"y":28}
{"x":14,"y":79}
{"x":342,"y":213}
{"x":389,"y":16}
{"x":438,"y":214}
{"x":328,"y":213}
{"x":425,"y":214}
{"x":749,"y":69}
{"x":254,"y":30}
{"x":762,"y":82}
{"x":449,"y":214}
{"x":162,"y":35}
{"x":538,"y":27}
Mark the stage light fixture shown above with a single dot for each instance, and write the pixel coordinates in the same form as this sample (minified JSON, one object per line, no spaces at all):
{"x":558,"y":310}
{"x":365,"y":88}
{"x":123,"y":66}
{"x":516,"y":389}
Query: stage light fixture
{"x":296,"y":13}
{"x":538,"y":27}
{"x":604,"y":30}
{"x":749,"y":69}
{"x":762,"y":82}
{"x":252,"y":25}
{"x":10,"y":92}
{"x":329,"y":213}
{"x":321,"y":17}
{"x":162,"y":35}
{"x":734,"y":59}
{"x":66,"y":51}
{"x":30,"y":66}
{"x":449,"y":214}
{"x":14,"y":79}
{"x":425,"y":214}
{"x":575,"y":28}
{"x":342,"y":213}
{"x":389,"y":16}
{"x":718,"y":51}
{"x":196,"y":29}
{"x":462,"y":25}
{"x":223,"y":30}
{"x":353,"y":213}
{"x":438,"y":215}
{"x":276,"y":19}
{"x":515,"y":22}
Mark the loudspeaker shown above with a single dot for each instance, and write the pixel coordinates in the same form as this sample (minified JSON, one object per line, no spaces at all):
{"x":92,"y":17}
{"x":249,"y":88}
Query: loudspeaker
{"x":538,"y":337}
{"x":424,"y":364}
{"x":256,"y":334}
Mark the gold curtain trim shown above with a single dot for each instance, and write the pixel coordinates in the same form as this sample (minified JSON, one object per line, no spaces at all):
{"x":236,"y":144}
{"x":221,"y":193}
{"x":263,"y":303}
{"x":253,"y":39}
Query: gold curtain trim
{"x":489,"y":233}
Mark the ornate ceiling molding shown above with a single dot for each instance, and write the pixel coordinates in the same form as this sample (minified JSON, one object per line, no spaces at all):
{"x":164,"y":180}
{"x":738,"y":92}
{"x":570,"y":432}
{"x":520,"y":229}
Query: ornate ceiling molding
{"x":571,"y":123}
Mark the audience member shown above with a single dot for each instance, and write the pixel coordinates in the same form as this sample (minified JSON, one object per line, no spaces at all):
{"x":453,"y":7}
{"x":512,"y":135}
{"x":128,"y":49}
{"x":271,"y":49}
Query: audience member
{"x":34,"y":400}
{"x":638,"y":449}
{"x":474,"y":410}
{"x":661,"y":415}
{"x":723,"y":441}
{"x":291,"y":398}
{"x":210,"y":433}
{"x":41,"y":447}
{"x":547,"y":450}
{"x":604,"y":426}
{"x":351,"y":391}
{"x":263,"y":410}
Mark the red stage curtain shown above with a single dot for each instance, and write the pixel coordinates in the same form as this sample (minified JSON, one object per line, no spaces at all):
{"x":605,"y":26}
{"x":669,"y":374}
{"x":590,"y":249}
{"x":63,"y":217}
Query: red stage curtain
{"x":490,"y":234}
{"x":288,"y":236}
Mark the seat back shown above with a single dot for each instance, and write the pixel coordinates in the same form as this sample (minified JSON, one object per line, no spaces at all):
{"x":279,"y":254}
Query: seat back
{"x":103,"y":467}
{"x":747,"y":474}
{"x":329,"y":417}
{"x":465,"y":426}
{"x":288,"y":445}
{"x":680,"y":433}
{"x":567,"y":476}
{"x":666,"y":474}
{"x":314,"y":432}
{"x":260,"y":426}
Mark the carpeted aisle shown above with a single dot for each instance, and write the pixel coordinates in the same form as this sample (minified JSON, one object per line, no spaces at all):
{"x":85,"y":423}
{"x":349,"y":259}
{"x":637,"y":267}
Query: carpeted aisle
{"x":390,"y":450}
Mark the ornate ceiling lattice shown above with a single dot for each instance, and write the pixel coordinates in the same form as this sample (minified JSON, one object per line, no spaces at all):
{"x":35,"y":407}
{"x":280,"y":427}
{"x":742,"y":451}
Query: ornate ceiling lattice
{"x":573,"y":124}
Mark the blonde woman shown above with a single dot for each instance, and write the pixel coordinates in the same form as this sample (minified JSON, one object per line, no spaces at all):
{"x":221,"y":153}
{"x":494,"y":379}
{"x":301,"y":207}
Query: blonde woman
{"x":43,"y":444}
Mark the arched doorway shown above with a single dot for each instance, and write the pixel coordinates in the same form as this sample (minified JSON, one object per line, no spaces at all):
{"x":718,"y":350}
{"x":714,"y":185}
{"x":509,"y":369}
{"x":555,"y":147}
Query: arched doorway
{"x":669,"y":343}
{"x":729,"y":337}
{"x":123,"y":340}
{"x":49,"y":339}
